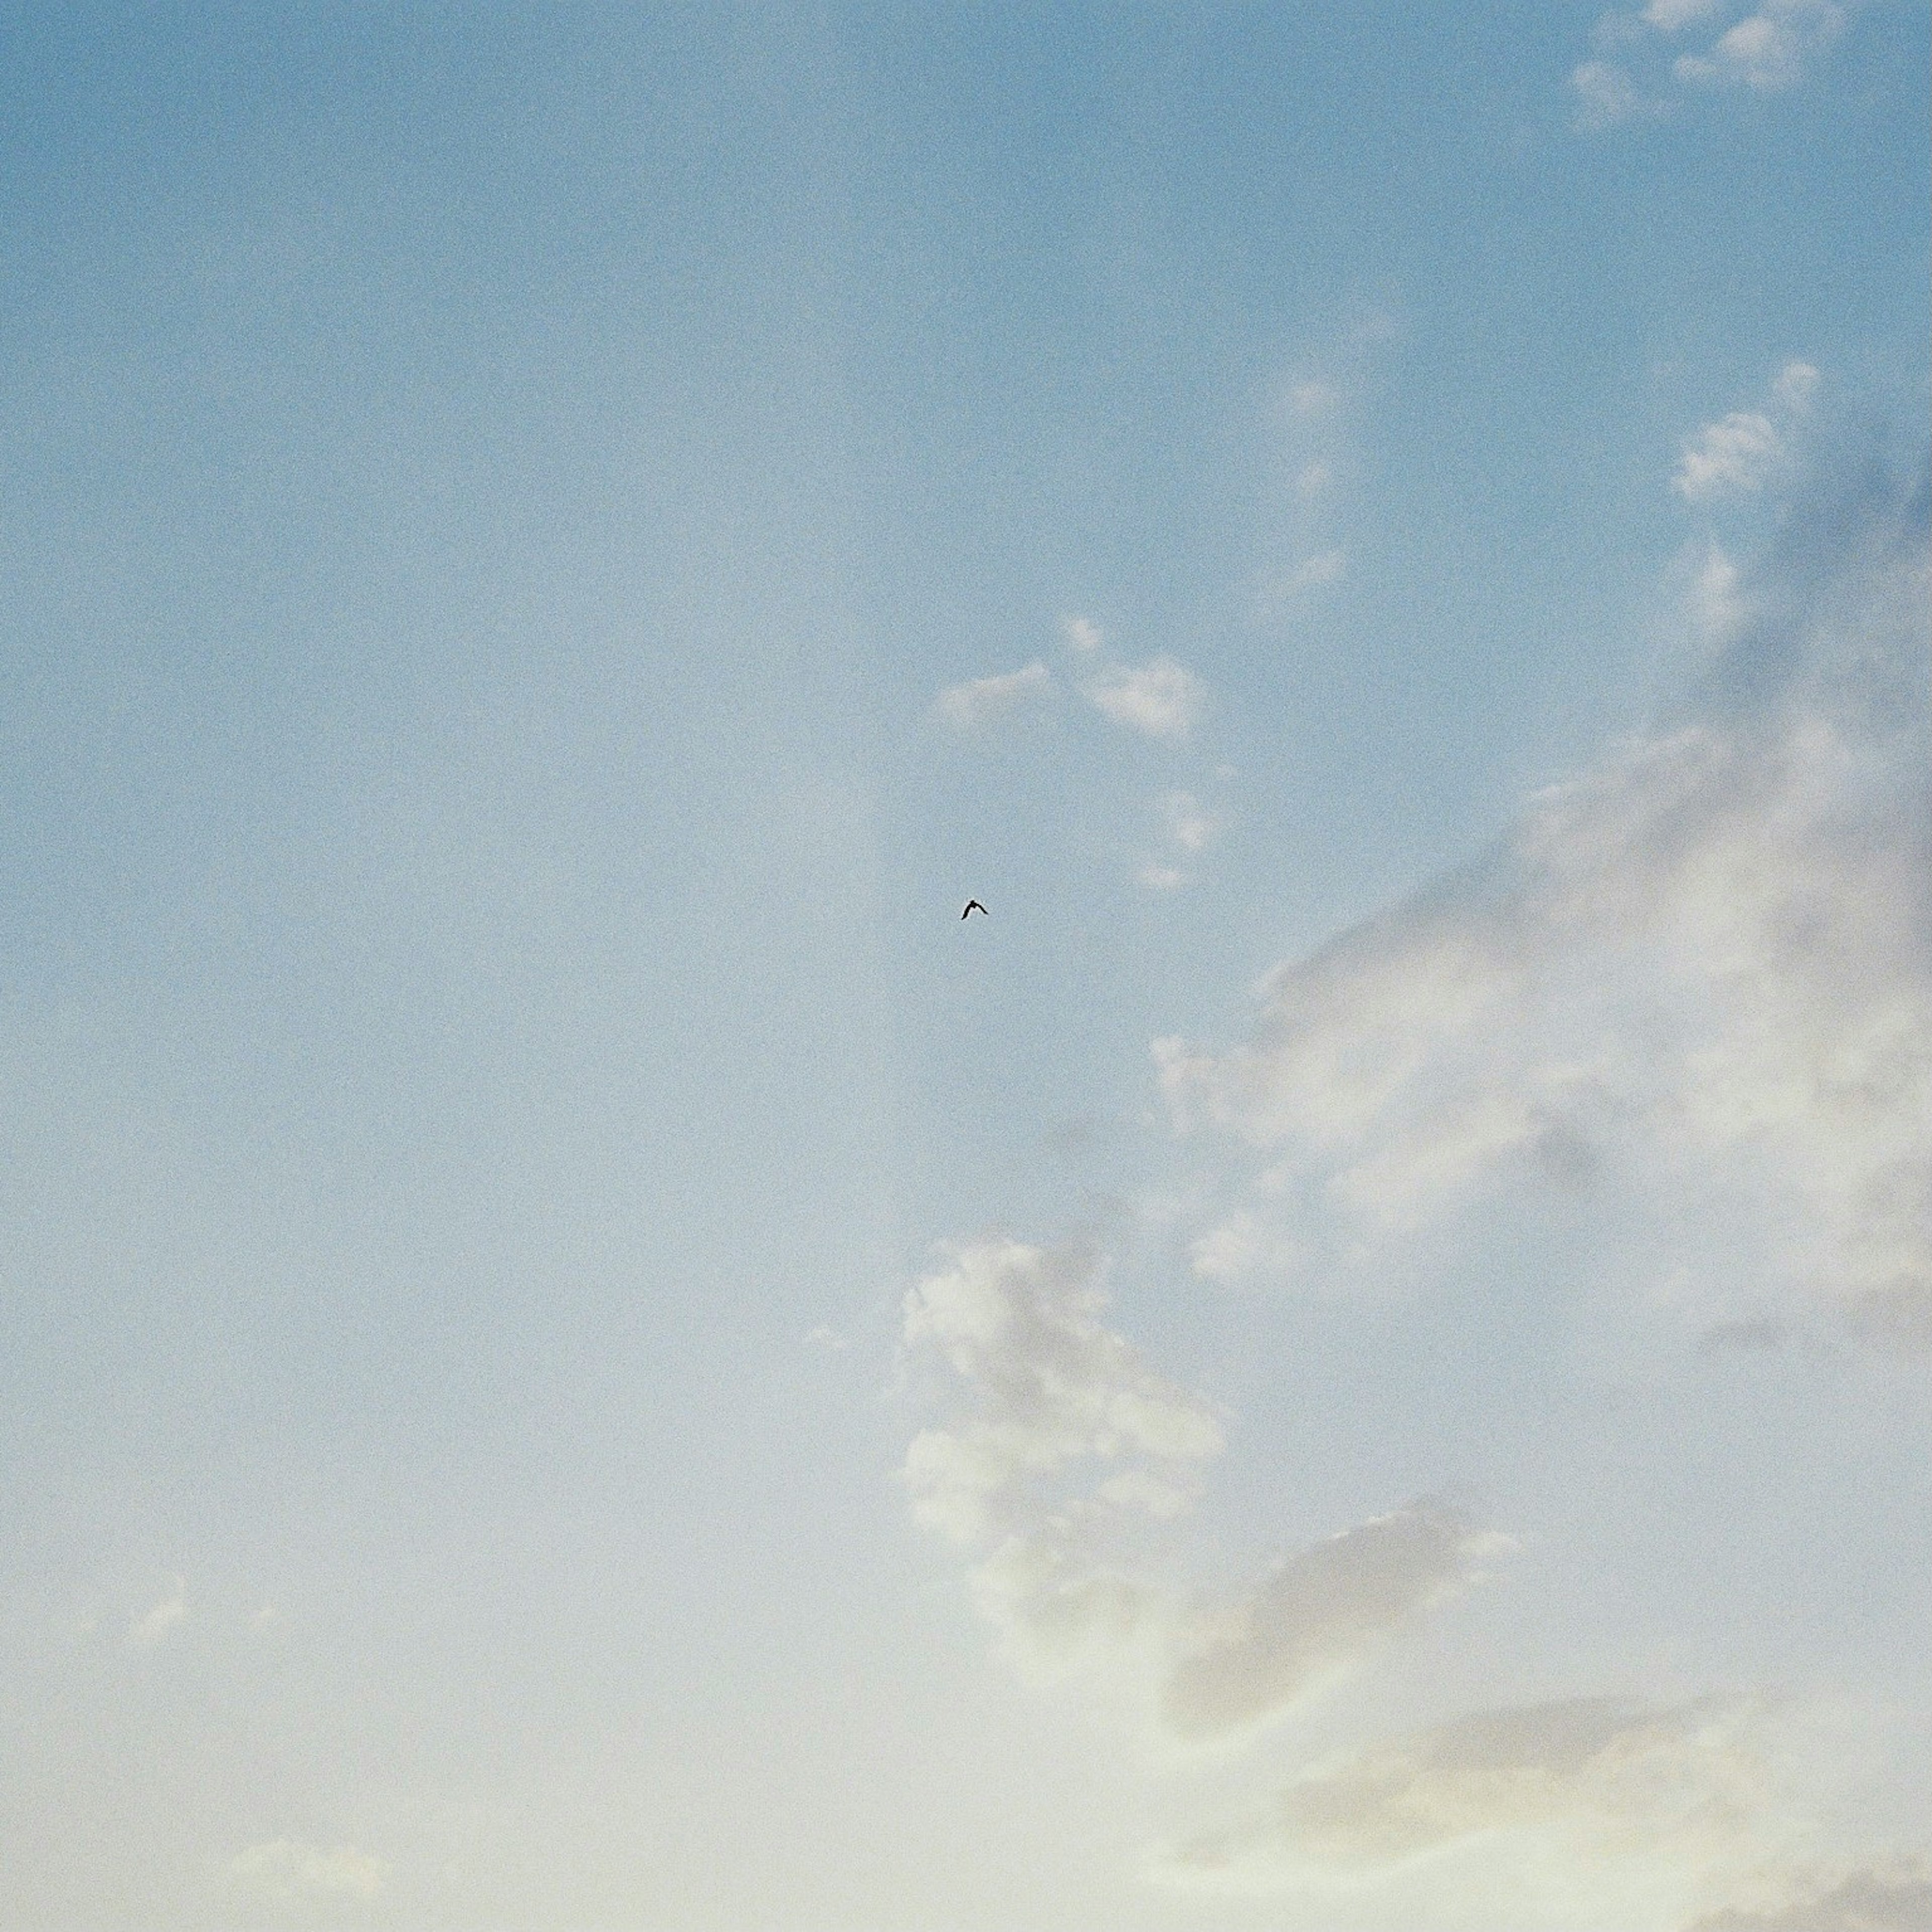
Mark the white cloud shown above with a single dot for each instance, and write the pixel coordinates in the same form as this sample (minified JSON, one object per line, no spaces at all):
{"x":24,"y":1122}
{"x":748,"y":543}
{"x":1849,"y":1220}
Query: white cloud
{"x":1741,"y":453}
{"x":1069,"y":1440}
{"x":1161,"y":698}
{"x":985,"y":700}
{"x":1242,"y":1248}
{"x":1699,"y":974}
{"x":1797,"y":383}
{"x":1607,"y":97}
{"x":1314,"y":1614}
{"x":1189,"y":824}
{"x":285,"y":1871}
{"x":1717,"y":607}
{"x":154,"y":1625}
{"x":1081,"y":635}
{"x":1189,"y":828}
{"x":1767,"y":51}
{"x":1312,"y":478}
{"x":1020,"y":1326}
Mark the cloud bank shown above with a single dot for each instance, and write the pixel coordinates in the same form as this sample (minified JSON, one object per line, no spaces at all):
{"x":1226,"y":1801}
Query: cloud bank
{"x":1700,"y":974}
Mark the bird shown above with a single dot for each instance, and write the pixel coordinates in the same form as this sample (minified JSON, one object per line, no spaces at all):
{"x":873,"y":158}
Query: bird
{"x":972,"y":906}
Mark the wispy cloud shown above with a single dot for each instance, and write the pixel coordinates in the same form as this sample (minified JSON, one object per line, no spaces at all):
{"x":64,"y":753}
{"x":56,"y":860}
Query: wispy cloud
{"x":1161,"y":699}
{"x":1607,"y":97}
{"x":981,"y":701}
{"x":1081,"y":635}
{"x":287,"y":1872}
{"x":1797,"y":383}
{"x":1314,"y":1613}
{"x":153,"y":1626}
{"x":1188,"y":829}
{"x":1591,"y":1812}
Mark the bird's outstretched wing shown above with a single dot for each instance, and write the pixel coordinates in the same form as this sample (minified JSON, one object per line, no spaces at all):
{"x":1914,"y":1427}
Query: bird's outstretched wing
{"x":972,"y":906}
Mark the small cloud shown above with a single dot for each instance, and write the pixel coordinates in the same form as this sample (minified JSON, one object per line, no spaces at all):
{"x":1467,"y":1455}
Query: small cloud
{"x":1767,"y":50}
{"x":1607,"y":97}
{"x":1161,"y":699}
{"x":265,"y":1616}
{"x":285,"y":1871}
{"x":1797,"y":382}
{"x":1159,"y":878}
{"x":1081,"y":635}
{"x":1314,"y":1613}
{"x":1717,"y":608}
{"x":1738,"y":453}
{"x":1240,"y":1250}
{"x":985,"y":700}
{"x":1312,"y":397}
{"x":1277,"y":588}
{"x":145,"y":1631}
{"x":1189,"y":824}
{"x":830,"y":1340}
{"x":1312,"y":478}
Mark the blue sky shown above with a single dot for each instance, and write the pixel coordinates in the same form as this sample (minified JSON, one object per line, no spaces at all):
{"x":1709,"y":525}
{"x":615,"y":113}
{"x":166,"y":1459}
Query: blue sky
{"x":578,"y":1351}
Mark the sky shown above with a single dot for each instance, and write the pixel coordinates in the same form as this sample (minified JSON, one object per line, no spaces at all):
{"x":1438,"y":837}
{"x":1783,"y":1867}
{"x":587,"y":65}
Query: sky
{"x":577,"y":1351}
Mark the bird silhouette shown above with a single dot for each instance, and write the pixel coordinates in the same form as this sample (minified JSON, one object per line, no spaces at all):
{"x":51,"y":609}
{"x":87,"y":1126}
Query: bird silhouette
{"x":972,"y":906}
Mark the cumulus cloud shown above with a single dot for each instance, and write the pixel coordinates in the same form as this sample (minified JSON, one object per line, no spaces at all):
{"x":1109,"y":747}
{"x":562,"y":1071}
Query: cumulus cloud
{"x":986,"y":701}
{"x":1081,"y":635}
{"x":1741,"y":453}
{"x":1051,"y":1384}
{"x":1767,"y":50}
{"x":1700,"y":972}
{"x":285,"y":1871}
{"x":154,"y":1625}
{"x":1161,"y":698}
{"x":1068,"y":1441}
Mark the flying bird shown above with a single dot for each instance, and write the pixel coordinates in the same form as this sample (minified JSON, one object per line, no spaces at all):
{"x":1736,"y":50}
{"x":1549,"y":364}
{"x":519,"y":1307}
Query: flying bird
{"x":972,"y":906}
